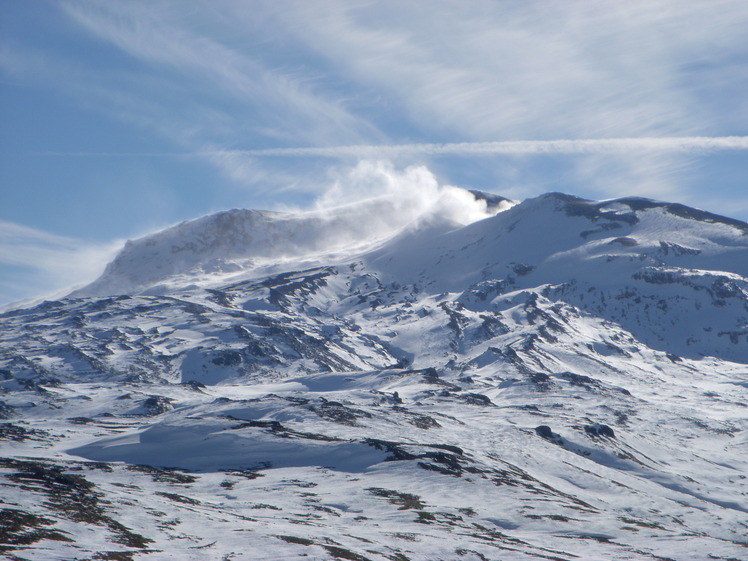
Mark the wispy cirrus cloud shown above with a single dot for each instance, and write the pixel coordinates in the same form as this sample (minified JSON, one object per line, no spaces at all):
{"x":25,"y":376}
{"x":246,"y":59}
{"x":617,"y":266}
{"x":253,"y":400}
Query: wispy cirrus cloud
{"x":485,"y":71}
{"x":683,"y":144}
{"x":282,"y":104}
{"x":546,"y":69}
{"x":335,"y":79}
{"x":185,"y":84}
{"x":565,"y":146}
{"x":37,"y":262}
{"x":209,"y":78}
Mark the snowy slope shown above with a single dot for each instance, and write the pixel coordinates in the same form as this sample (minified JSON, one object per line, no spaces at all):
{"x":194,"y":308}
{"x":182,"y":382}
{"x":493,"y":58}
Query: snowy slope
{"x":657,"y":269}
{"x":560,"y":379}
{"x":239,"y":240}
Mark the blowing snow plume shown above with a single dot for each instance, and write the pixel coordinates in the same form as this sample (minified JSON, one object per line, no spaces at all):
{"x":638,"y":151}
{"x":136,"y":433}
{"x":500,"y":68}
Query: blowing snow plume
{"x":373,"y":201}
{"x":366,"y":205}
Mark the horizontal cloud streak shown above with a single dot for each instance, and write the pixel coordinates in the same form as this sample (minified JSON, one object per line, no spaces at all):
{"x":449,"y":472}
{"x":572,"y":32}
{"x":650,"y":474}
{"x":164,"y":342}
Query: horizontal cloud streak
{"x":687,"y":144}
{"x":584,"y":146}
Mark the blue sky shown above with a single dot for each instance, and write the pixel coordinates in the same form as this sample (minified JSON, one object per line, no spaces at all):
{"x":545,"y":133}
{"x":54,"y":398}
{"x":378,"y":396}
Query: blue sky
{"x":121,"y":117}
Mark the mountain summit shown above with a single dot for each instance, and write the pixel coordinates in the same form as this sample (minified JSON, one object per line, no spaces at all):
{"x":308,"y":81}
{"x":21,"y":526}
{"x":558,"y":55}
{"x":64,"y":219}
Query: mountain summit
{"x":658,"y":269}
{"x":239,"y":240}
{"x":465,"y":377}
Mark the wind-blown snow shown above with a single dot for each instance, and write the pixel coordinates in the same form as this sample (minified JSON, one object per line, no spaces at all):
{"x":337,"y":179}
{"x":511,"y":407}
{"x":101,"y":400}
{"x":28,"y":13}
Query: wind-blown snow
{"x":348,"y":218}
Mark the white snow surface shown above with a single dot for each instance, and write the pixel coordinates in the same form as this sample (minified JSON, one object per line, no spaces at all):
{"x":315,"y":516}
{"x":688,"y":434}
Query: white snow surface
{"x":239,"y":240}
{"x":560,"y":379}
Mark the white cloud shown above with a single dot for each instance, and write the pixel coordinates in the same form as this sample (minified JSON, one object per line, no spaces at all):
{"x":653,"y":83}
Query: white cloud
{"x":35,"y":262}
{"x":284,"y":106}
{"x":241,"y":162}
{"x":566,"y":146}
{"x":374,"y":200}
{"x":529,"y":69}
{"x":188,"y":83}
{"x":598,"y":168}
{"x":329,"y":76}
{"x":340,"y":72}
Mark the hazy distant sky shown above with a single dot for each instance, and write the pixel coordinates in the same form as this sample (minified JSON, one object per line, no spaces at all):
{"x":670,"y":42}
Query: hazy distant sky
{"x":118,"y":117}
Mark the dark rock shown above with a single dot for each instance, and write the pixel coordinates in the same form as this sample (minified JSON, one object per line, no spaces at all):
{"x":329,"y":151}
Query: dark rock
{"x":544,"y":431}
{"x":6,"y":411}
{"x":669,"y":247}
{"x":625,"y":241}
{"x":541,"y":381}
{"x":598,"y":430}
{"x":70,"y":496}
{"x":227,"y":358}
{"x":476,"y":399}
{"x":493,"y":201}
{"x":18,"y":527}
{"x":339,"y":413}
{"x":81,"y":420}
{"x":726,"y":288}
{"x":522,"y":269}
{"x":422,"y":421}
{"x":579,"y":380}
{"x":18,"y":433}
{"x":156,"y":405}
{"x":194,"y":385}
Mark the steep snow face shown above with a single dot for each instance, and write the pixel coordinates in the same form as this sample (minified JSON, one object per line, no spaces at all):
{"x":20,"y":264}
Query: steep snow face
{"x":239,"y":240}
{"x":208,"y":244}
{"x":557,"y":234}
{"x":674,"y":276}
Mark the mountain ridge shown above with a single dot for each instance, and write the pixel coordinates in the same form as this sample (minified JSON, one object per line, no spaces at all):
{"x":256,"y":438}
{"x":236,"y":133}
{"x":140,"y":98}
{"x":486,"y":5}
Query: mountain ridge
{"x":233,"y":240}
{"x":213,"y":243}
{"x":563,"y":378}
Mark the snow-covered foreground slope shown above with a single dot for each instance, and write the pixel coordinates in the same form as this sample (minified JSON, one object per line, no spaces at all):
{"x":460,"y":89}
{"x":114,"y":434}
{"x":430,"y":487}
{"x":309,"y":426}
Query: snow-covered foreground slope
{"x":564,"y":380}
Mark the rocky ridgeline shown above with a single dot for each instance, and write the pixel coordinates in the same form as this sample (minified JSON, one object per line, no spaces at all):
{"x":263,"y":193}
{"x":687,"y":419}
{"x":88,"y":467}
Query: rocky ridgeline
{"x":564,"y":379}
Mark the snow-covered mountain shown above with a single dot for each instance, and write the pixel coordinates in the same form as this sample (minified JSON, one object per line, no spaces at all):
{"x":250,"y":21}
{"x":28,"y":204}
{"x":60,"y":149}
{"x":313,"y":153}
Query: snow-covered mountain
{"x":554,"y":379}
{"x":239,"y":240}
